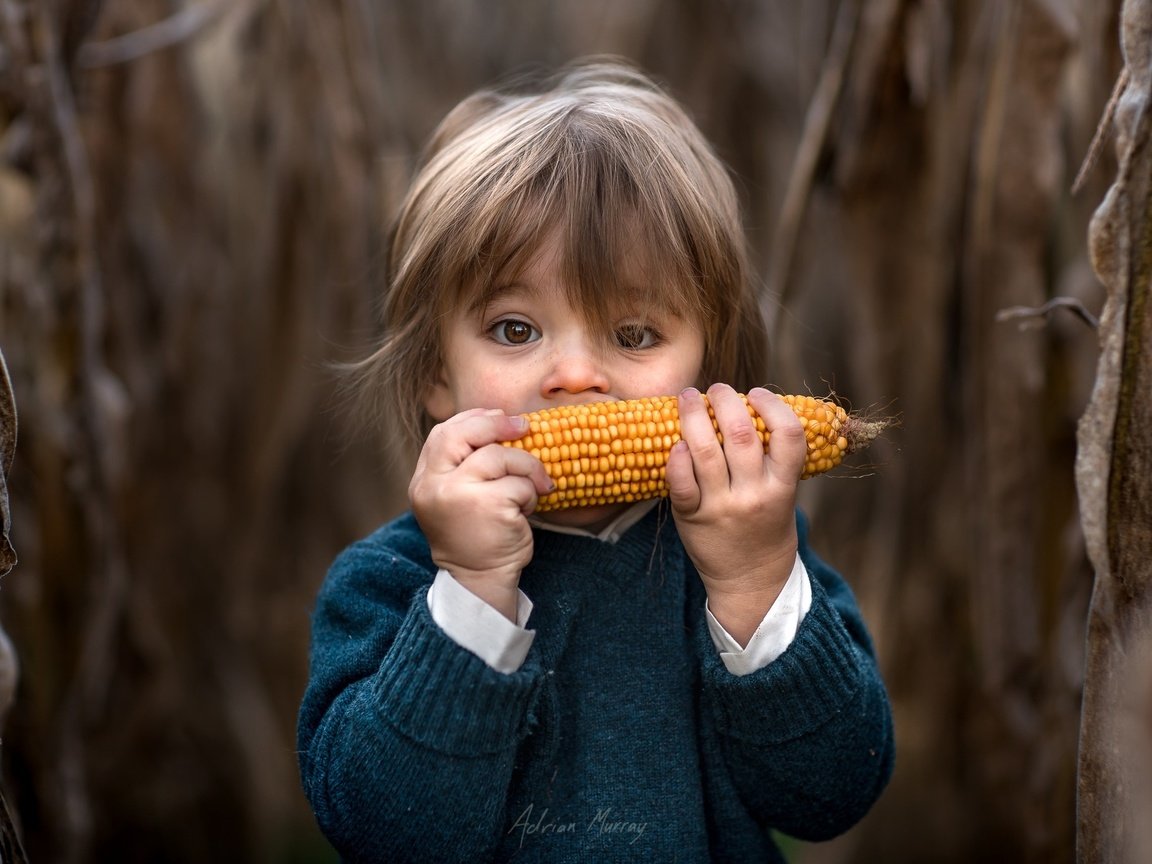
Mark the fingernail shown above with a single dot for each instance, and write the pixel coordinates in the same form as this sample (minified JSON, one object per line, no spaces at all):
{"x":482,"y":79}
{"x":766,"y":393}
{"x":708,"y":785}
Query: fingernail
{"x":519,"y":423}
{"x":689,"y":391}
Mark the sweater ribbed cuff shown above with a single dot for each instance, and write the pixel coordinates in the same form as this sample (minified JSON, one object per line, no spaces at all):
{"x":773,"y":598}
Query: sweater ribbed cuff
{"x":444,"y":697}
{"x":818,"y":676}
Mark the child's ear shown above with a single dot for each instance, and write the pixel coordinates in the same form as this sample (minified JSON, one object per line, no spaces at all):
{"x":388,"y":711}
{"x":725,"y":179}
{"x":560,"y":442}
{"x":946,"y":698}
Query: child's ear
{"x":438,"y":400}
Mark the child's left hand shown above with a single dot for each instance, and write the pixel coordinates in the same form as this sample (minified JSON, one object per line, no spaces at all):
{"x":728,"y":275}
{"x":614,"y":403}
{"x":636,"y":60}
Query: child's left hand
{"x":734,"y":504}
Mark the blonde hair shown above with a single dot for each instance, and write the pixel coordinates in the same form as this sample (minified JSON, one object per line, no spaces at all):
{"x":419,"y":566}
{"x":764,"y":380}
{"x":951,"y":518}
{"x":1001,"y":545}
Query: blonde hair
{"x":601,"y":158}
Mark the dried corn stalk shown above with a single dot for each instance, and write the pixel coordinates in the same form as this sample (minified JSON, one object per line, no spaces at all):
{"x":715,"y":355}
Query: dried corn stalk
{"x":1114,"y":480}
{"x":11,"y":851}
{"x":9,"y":667}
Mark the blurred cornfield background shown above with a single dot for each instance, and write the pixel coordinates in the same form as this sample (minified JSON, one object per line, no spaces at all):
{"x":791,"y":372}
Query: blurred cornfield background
{"x":193,"y":197}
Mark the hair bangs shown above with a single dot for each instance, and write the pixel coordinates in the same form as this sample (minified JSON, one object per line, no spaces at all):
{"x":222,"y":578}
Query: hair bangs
{"x":625,"y":246}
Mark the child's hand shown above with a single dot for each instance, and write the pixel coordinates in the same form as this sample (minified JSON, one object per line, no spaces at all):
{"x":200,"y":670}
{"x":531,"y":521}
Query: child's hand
{"x":471,"y":497}
{"x":734,"y":504}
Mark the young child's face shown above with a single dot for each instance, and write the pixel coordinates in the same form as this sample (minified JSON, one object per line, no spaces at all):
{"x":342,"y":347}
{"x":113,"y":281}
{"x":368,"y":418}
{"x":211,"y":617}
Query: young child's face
{"x":529,"y":349}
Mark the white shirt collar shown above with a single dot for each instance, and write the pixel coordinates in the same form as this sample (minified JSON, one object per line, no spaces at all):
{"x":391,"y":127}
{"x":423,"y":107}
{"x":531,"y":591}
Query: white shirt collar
{"x":612,"y":532}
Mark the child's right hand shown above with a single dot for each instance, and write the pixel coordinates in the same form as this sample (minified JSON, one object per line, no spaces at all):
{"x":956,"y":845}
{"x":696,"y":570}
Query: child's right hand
{"x":472,"y":497}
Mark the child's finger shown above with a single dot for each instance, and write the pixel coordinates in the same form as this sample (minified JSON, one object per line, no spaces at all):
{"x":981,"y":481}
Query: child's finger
{"x":696,"y":429}
{"x":787,"y":448}
{"x":494,"y":462}
{"x":743,"y":448}
{"x":683,"y":491}
{"x":451,"y":442}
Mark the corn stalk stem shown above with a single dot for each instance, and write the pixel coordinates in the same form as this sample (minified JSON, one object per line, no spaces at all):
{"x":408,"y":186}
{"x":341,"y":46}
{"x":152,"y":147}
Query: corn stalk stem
{"x":1114,"y":482}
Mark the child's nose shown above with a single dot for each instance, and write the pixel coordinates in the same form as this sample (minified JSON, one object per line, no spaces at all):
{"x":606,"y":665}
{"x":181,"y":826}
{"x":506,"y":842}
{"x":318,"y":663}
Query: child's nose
{"x":576,"y":369}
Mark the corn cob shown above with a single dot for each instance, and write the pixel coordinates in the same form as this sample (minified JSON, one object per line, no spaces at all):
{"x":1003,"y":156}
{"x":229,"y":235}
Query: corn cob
{"x":612,"y":452}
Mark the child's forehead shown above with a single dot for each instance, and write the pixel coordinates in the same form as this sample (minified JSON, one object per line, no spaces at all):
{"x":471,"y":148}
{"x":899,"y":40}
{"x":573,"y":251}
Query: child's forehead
{"x":550,"y":273}
{"x":626,"y":298}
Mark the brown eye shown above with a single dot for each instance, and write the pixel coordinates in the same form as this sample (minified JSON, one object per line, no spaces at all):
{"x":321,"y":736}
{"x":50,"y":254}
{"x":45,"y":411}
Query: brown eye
{"x":633,"y":337}
{"x":514,"y":332}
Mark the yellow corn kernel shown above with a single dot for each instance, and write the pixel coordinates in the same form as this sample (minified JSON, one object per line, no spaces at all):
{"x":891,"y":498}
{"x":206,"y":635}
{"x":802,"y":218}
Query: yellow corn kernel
{"x":613,"y":452}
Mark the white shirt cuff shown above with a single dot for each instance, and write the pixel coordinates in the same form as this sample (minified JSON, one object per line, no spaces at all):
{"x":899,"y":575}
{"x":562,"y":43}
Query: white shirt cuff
{"x":776,"y":630}
{"x":473,"y":624}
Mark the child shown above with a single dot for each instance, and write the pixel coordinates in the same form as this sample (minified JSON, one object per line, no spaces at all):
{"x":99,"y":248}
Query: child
{"x":663,"y":682}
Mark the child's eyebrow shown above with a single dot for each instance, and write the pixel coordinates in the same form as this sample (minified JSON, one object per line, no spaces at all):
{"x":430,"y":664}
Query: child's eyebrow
{"x":501,"y":291}
{"x":636,"y":300}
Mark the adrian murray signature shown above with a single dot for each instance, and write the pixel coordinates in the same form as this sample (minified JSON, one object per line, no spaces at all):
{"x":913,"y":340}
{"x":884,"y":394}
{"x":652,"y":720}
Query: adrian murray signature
{"x":603,"y":823}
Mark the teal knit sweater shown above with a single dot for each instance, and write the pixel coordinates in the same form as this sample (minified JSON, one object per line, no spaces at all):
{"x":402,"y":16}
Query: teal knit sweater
{"x":622,"y":738}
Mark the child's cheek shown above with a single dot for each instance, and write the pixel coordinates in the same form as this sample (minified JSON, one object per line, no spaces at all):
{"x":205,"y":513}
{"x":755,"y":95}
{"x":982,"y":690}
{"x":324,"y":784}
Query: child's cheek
{"x":500,"y":389}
